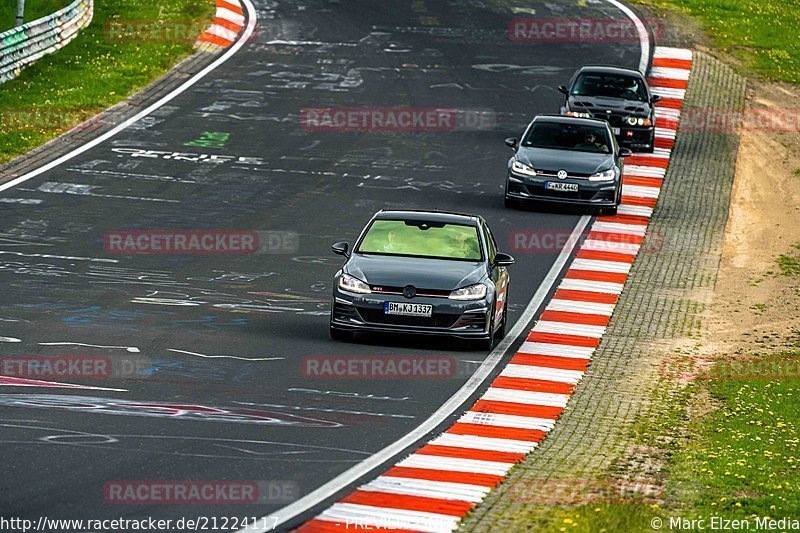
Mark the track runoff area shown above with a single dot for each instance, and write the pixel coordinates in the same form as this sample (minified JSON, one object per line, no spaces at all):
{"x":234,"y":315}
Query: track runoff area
{"x":432,"y":489}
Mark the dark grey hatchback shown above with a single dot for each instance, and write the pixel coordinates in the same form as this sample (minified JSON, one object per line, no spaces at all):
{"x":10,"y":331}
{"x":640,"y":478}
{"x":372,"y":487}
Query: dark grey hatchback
{"x":422,"y":272}
{"x":566,"y":160}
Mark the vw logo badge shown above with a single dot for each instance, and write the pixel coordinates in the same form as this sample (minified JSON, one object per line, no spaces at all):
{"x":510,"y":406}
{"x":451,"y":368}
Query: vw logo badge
{"x":409,"y":291}
{"x":562,"y":174}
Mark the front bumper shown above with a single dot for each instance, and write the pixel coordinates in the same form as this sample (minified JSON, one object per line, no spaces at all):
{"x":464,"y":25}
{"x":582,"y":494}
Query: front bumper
{"x":364,"y":312}
{"x":590,"y":193}
{"x":637,"y":138}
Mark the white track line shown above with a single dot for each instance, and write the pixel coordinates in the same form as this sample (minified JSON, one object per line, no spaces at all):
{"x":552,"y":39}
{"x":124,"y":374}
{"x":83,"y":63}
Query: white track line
{"x":352,"y":475}
{"x":248,"y":31}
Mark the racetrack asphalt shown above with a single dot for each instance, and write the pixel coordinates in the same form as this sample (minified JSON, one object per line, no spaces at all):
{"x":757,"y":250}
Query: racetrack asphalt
{"x":255,"y":415}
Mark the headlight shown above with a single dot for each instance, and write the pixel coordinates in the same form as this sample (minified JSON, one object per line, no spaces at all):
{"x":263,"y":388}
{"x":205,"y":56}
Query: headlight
{"x":639,"y":121}
{"x":605,"y":175}
{"x":351,"y":284}
{"x":473,"y":292}
{"x":521,"y":168}
{"x":581,"y":114}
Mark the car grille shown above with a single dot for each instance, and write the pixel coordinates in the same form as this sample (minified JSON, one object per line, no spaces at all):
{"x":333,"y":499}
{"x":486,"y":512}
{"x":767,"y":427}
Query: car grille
{"x":554,"y":174}
{"x":438,"y":320}
{"x":615,"y":119}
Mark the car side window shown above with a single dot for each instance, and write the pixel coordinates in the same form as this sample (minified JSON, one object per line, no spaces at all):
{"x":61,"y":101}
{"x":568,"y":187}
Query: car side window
{"x":490,"y":244}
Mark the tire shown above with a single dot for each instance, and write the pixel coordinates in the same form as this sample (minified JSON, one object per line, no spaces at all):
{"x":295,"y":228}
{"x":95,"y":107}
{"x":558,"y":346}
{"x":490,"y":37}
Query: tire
{"x":341,"y":334}
{"x":609,"y":211}
{"x":511,"y":203}
{"x":501,"y":331}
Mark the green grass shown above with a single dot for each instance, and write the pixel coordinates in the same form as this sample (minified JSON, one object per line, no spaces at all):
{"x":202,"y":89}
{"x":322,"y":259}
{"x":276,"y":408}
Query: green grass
{"x":762,"y":35}
{"x":744,"y":458}
{"x":789,"y":265}
{"x":34,"y":9}
{"x":95,"y":71}
{"x":740,"y":461}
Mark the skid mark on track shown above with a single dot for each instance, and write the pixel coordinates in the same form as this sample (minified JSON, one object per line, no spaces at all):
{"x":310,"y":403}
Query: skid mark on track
{"x":227,"y":356}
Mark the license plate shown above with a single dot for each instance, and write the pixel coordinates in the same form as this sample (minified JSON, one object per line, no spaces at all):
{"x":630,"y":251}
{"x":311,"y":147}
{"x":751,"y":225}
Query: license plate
{"x":406,"y":309}
{"x":557,"y":186}
{"x":616,"y":131}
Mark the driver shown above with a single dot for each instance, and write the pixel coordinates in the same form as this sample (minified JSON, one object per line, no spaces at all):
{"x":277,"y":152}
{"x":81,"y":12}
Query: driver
{"x":590,"y":142}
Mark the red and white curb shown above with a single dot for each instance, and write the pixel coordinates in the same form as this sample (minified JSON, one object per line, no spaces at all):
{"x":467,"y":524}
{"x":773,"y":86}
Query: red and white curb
{"x":433,"y":488}
{"x":228,"y":23}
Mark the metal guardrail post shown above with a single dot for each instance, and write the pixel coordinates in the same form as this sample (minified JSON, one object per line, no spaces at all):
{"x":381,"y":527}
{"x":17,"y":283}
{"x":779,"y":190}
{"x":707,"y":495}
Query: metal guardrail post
{"x":24,"y":44}
{"x":20,"y":12}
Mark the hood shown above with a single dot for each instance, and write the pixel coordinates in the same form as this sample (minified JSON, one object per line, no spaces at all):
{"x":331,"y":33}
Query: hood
{"x":572,"y":161}
{"x":600,"y":104}
{"x":394,"y":271}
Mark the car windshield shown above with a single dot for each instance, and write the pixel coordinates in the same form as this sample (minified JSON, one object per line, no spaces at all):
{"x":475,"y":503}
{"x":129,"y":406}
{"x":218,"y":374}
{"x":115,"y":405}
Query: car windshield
{"x":610,"y":86}
{"x":564,"y":136}
{"x":435,"y":240}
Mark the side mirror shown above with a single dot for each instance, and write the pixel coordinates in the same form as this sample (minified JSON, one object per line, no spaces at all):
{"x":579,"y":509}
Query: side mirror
{"x":655,"y":98}
{"x":511,"y":142}
{"x":341,"y":248}
{"x":625,"y":152}
{"x":563,"y":89}
{"x":503,"y":260}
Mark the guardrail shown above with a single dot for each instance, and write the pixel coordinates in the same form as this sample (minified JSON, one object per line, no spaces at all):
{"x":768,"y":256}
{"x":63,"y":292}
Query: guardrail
{"x":21,"y":46}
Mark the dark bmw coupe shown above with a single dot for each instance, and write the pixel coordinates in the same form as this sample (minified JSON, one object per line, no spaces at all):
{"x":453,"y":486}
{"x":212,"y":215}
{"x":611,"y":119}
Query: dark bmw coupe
{"x":619,"y":95}
{"x":566,"y":160}
{"x":422,"y":272}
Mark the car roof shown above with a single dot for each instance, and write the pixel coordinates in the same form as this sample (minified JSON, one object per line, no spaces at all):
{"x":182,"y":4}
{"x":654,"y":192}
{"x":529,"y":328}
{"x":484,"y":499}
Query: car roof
{"x":432,"y":215}
{"x":607,"y":69}
{"x":564,"y":119}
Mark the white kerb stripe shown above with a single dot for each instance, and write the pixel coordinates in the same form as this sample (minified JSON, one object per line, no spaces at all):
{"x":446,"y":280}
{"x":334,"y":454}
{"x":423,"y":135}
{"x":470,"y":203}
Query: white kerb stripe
{"x":665,"y":133}
{"x":638,"y":210}
{"x":224,"y":33}
{"x":430,"y":489}
{"x":455,"y":464}
{"x":616,"y":247}
{"x":475,"y":442}
{"x":640,"y":191}
{"x":232,"y":16}
{"x":617,"y":227}
{"x":367,"y":516}
{"x":646,"y":171}
{"x":542,"y":372}
{"x":557,"y":350}
{"x":577,"y":306}
{"x":670,"y":73}
{"x":668,"y":52}
{"x":605,"y":287}
{"x":601,"y":266}
{"x":511,"y":421}
{"x":527,"y":397}
{"x":669,"y":92}
{"x":568,"y":328}
{"x":668,"y":112}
